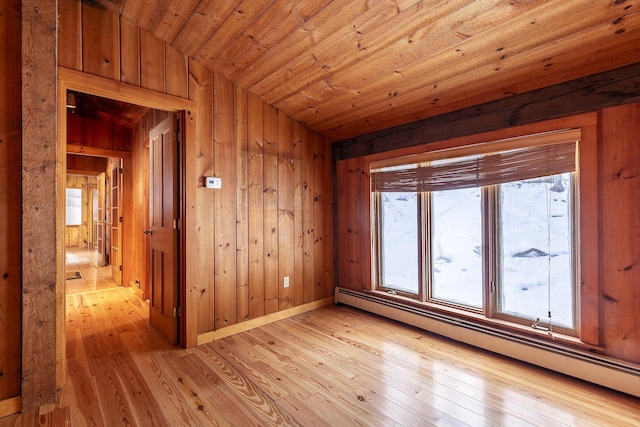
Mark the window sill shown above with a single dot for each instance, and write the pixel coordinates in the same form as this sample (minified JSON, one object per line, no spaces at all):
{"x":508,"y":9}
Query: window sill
{"x":506,"y":326}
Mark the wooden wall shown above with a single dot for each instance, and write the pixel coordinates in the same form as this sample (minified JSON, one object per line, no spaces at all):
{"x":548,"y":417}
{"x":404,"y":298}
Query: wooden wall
{"x":616,"y":186}
{"x":10,"y":200}
{"x":272,"y":216}
{"x":104,"y":134}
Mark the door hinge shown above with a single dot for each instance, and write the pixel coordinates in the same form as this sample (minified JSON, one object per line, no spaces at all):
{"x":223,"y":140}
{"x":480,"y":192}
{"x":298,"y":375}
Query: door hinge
{"x":176,"y":224}
{"x":120,"y":267}
{"x":121,"y":170}
{"x":176,"y":312}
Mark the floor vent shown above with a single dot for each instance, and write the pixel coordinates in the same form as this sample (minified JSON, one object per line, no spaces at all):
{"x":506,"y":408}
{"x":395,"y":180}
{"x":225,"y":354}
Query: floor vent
{"x":608,"y":372}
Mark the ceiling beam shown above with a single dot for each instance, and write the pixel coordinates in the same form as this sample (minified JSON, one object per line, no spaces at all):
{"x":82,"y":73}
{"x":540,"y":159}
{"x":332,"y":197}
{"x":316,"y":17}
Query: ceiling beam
{"x":608,"y":89}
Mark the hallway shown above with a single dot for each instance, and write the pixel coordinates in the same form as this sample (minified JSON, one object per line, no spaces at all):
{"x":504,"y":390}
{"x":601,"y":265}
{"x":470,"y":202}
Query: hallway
{"x":83,"y":274}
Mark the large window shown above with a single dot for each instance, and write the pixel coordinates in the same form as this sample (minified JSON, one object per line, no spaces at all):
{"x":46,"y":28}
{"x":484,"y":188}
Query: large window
{"x":490,"y":229}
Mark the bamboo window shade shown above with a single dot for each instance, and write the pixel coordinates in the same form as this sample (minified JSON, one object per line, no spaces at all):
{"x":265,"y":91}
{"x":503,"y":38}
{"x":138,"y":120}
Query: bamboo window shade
{"x":479,"y":170}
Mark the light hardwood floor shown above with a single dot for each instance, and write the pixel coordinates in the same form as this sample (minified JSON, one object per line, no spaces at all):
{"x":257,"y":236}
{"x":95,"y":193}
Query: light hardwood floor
{"x":335,"y":366}
{"x":92,"y":276}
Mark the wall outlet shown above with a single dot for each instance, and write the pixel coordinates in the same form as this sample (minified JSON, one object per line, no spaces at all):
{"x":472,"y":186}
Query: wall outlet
{"x":286,"y":281}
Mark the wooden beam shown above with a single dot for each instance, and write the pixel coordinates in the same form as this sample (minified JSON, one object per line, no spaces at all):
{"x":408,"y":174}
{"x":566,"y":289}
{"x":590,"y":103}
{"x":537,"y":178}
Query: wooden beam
{"x":40,"y":184}
{"x":96,"y":151}
{"x":611,"y":88}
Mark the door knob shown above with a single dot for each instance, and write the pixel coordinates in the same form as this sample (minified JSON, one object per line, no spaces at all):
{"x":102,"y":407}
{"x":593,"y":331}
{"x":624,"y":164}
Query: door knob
{"x":149,"y":231}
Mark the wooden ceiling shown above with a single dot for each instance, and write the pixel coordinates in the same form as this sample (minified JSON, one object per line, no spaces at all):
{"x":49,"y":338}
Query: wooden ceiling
{"x":350,"y":67}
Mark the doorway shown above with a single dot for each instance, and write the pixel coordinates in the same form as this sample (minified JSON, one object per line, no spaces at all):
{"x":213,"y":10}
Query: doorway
{"x":126,"y":195}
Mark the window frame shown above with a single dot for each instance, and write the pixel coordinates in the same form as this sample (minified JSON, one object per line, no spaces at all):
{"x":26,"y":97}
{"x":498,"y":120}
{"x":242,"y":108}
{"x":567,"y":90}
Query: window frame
{"x":490,"y":257}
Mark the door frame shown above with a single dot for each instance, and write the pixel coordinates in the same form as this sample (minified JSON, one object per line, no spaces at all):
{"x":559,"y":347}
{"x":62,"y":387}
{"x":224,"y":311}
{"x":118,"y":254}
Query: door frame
{"x":99,"y":86}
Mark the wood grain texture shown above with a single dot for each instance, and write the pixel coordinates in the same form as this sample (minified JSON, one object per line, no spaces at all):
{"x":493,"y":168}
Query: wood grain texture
{"x":242,"y":206}
{"x":42,"y":224}
{"x":176,"y":71}
{"x":224,"y":155}
{"x":255,"y":165}
{"x":270,"y":190}
{"x":620,"y":230}
{"x":579,"y":96}
{"x":329,"y":366}
{"x":308,"y":225}
{"x":70,"y":34}
{"x":129,"y":52}
{"x":286,"y":213}
{"x":199,"y":227}
{"x":10,"y":202}
{"x":152,"y":62}
{"x":100,"y":42}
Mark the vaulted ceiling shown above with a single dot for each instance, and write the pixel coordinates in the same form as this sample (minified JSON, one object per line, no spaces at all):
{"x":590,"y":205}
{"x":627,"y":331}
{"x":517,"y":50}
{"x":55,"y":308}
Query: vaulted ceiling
{"x":350,"y":67}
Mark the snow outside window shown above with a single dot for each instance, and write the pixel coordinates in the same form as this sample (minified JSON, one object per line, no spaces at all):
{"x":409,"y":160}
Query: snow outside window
{"x":492,"y":233}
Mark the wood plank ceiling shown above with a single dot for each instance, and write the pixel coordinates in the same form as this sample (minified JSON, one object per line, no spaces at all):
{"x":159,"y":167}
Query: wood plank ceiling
{"x":350,"y":67}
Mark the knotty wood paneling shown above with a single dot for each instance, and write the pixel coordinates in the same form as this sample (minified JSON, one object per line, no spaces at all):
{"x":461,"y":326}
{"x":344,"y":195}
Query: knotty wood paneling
{"x":86,"y":165}
{"x":242,"y":205}
{"x":255,"y":165}
{"x":308,"y":230}
{"x":104,"y":133}
{"x":129,"y":52}
{"x":286,"y":212}
{"x":589,"y":94}
{"x":152,"y":58}
{"x":176,"y":69}
{"x":270,"y":212}
{"x":70,"y":34}
{"x":10,"y":200}
{"x":620,"y":175}
{"x":298,"y":226}
{"x":100,"y":42}
{"x":217,"y":152}
{"x":199,"y":157}
{"x":224,"y":218}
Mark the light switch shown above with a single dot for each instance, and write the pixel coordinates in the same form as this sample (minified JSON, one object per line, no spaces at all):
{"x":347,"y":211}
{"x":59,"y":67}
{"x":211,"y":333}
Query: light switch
{"x":213,"y":182}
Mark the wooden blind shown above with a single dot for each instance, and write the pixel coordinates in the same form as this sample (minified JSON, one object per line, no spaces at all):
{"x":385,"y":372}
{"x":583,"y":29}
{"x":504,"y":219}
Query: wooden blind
{"x":477,"y":170}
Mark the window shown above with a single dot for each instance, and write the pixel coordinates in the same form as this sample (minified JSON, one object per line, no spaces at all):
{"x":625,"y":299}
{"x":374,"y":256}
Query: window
{"x":488,"y":229}
{"x":74,"y":206}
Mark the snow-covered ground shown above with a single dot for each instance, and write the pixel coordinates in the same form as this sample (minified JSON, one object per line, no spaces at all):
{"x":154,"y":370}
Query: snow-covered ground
{"x":535,"y":266}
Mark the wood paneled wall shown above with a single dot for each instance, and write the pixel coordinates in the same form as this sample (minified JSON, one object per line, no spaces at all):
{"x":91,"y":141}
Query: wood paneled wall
{"x":10,"y":200}
{"x":103,"y":133}
{"x":271,"y":219}
{"x":620,"y":210}
{"x":617,"y":187}
{"x":86,"y":165}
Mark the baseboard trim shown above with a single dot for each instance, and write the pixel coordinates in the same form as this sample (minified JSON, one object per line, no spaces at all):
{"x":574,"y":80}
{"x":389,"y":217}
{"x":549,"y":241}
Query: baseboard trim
{"x":261,"y":321}
{"x":608,"y":372}
{"x":10,"y":406}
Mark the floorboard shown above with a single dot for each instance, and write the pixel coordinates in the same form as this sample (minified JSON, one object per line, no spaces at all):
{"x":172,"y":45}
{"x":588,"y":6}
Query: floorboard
{"x":335,"y":366}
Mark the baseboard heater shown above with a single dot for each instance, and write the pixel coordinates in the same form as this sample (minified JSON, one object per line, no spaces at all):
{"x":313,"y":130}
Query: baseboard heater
{"x":608,"y":372}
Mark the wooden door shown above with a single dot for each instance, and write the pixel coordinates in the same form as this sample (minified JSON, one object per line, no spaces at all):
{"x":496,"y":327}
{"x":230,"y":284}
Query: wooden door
{"x":163,"y":229}
{"x":116,"y":222}
{"x":100,"y":219}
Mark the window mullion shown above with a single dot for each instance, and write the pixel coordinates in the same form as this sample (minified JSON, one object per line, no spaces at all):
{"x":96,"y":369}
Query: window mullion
{"x":424,"y":237}
{"x":490,"y":250}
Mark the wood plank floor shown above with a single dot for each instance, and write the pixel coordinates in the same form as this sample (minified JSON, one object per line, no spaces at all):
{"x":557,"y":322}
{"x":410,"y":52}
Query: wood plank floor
{"x":334,"y":366}
{"x":92,"y":276}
